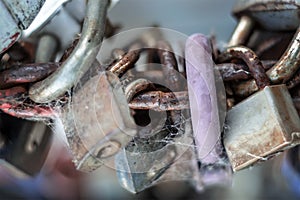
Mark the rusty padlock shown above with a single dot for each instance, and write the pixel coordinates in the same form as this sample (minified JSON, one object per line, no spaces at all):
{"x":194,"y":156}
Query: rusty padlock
{"x":97,"y":122}
{"x":264,"y":124}
{"x":154,"y":155}
{"x":271,"y":15}
{"x":195,"y":154}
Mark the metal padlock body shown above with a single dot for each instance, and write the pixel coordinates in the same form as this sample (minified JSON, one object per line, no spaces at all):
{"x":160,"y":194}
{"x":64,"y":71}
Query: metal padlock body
{"x":97,"y":122}
{"x":260,"y":126}
{"x":137,"y":171}
{"x":158,"y":157}
{"x":16,"y":15}
{"x":274,"y":15}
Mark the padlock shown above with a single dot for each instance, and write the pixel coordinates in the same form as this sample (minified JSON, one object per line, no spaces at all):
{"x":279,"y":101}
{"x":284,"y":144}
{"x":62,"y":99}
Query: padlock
{"x":16,"y":16}
{"x":97,"y":122}
{"x":162,"y":150}
{"x":203,"y":163}
{"x":281,"y":72}
{"x":138,"y":169}
{"x":158,"y":153}
{"x":272,"y":15}
{"x":262,"y":125}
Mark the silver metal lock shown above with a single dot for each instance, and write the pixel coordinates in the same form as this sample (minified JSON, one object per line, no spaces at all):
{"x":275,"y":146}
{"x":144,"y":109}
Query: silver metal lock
{"x":98,"y":122}
{"x":138,"y":170}
{"x":263,"y":124}
{"x":157,"y":153}
{"x":194,"y":154}
{"x":163,"y":150}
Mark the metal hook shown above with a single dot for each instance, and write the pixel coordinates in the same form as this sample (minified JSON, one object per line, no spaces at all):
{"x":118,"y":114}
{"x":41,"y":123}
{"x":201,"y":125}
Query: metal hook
{"x":81,"y":58}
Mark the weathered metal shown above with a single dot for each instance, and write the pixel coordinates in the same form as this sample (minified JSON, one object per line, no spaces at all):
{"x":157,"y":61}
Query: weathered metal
{"x":15,"y":16}
{"x":261,"y":126}
{"x":81,"y":58}
{"x":106,"y":129}
{"x":275,"y":15}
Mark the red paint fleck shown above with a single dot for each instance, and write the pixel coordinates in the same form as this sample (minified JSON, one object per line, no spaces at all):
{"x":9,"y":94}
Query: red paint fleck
{"x":14,"y":38}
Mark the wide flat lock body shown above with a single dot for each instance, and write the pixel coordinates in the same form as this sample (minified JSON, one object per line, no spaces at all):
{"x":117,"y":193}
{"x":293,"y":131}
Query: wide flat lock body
{"x":261,"y":126}
{"x":98,"y":122}
{"x":276,"y":15}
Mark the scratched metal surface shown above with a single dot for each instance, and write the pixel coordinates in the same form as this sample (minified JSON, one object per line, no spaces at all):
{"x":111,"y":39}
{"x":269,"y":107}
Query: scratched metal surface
{"x":188,"y":17}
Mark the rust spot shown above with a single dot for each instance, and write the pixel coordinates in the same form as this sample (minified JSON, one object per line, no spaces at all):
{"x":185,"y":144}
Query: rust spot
{"x":249,"y":149}
{"x":15,"y":36}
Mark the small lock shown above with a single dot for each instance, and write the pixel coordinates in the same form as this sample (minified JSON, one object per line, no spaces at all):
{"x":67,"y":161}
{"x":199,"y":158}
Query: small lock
{"x":264,"y":124}
{"x":97,"y":122}
{"x":193,"y":155}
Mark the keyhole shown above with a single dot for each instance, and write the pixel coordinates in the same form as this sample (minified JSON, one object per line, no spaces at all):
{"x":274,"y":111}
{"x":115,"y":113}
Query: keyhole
{"x":142,"y":118}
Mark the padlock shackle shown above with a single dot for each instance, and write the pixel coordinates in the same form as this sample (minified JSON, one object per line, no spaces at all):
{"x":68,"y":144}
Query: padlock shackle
{"x":289,"y":62}
{"x":242,"y":31}
{"x":81,"y":58}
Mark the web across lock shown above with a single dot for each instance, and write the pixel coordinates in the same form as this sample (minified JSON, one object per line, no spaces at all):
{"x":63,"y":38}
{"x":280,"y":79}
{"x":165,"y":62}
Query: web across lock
{"x":91,"y":146}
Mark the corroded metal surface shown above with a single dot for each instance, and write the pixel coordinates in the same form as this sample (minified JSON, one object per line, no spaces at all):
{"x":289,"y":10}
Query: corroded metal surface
{"x":15,"y":16}
{"x":27,"y":73}
{"x":249,"y":57}
{"x":9,"y":30}
{"x":261,"y":126}
{"x":98,"y":123}
{"x":80,"y":59}
{"x":127,"y":61}
{"x":160,"y":101}
{"x":282,"y":71}
{"x":24,"y":11}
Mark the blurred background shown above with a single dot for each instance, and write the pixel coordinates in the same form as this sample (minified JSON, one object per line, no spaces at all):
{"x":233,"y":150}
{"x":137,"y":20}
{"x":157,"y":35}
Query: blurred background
{"x":59,"y":180}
